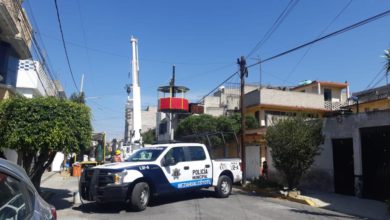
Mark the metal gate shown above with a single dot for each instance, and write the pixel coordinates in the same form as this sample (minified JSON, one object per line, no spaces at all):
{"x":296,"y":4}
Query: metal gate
{"x":376,"y":162}
{"x":343,"y":166}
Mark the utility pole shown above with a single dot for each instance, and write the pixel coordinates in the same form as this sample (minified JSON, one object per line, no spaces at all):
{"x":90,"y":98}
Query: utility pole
{"x":243,"y":73}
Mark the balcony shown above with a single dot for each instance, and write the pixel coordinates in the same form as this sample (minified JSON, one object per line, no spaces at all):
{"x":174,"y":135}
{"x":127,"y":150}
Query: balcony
{"x":33,"y":80}
{"x":329,"y":105}
{"x":15,"y":27}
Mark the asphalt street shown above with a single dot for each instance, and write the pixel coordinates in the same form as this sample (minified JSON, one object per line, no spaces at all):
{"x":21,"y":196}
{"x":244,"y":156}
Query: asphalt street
{"x":203,"y":205}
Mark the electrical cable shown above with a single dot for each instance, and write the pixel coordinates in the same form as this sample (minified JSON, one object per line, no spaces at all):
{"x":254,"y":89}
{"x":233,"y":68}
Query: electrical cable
{"x":379,"y":81}
{"x":63,"y":43}
{"x":322,"y":32}
{"x":274,"y":26}
{"x":335,"y":33}
{"x":231,"y":76}
{"x":37,"y":49}
{"x":49,"y":66}
{"x":375,"y":77}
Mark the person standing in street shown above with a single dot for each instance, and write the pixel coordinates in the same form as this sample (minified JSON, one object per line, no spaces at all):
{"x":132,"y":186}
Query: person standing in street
{"x":117,"y":157}
{"x":264,"y":172}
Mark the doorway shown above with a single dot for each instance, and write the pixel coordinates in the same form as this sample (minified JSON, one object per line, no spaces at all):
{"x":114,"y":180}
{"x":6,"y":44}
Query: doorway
{"x":343,"y":166}
{"x":252,"y":164}
{"x":376,"y":162}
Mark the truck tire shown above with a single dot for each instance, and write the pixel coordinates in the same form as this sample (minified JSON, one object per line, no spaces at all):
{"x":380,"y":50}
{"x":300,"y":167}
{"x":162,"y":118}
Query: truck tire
{"x":140,"y":196}
{"x":224,"y":187}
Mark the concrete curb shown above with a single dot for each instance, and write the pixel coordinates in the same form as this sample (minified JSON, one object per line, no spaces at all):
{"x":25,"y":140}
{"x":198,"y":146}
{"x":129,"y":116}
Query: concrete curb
{"x":305,"y":201}
{"x":274,"y":194}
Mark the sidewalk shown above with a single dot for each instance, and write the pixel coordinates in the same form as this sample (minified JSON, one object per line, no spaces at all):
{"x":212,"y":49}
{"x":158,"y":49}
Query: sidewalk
{"x":59,"y":190}
{"x":362,"y":208}
{"x":352,"y":205}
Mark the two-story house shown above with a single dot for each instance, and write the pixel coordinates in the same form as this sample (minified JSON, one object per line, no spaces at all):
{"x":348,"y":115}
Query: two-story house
{"x":315,"y":98}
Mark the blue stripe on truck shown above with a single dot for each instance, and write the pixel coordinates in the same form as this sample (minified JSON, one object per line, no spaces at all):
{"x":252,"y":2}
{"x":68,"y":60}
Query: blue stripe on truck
{"x":192,"y":183}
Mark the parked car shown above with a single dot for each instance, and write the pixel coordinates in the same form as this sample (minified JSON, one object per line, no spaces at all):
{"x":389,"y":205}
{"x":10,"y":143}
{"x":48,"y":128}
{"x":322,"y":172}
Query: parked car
{"x":160,"y":169}
{"x":19,"y":199}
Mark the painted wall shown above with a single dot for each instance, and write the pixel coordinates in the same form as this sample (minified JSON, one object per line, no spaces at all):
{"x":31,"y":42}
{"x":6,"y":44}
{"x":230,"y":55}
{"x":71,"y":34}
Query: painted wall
{"x":33,"y":79}
{"x":343,"y":127}
{"x":372,"y":106}
{"x":284,"y":98}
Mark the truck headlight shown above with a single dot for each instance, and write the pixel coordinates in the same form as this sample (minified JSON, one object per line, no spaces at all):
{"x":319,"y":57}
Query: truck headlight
{"x":119,"y":177}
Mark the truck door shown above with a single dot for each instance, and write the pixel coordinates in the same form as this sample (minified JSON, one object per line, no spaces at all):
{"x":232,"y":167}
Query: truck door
{"x":179,"y":169}
{"x":200,"y":167}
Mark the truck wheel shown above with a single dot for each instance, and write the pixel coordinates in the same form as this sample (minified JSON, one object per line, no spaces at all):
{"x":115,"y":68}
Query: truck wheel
{"x":224,"y":187}
{"x":140,"y":196}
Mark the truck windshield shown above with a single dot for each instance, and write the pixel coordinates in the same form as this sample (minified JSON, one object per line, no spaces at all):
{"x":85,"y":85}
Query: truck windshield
{"x":149,"y":154}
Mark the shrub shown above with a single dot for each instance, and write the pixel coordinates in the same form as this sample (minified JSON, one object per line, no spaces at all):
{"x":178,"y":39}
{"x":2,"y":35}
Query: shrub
{"x":262,"y":182}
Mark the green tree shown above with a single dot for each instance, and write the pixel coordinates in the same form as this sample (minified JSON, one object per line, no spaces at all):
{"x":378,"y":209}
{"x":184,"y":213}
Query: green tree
{"x":149,"y":137}
{"x":197,"y":124}
{"x":294,"y":142}
{"x":38,"y":128}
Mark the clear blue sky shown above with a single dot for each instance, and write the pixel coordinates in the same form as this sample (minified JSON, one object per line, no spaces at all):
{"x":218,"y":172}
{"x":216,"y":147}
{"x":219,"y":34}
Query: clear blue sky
{"x":204,"y":39}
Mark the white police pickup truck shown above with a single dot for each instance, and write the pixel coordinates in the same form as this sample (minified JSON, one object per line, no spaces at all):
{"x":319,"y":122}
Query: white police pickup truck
{"x":156,"y":170}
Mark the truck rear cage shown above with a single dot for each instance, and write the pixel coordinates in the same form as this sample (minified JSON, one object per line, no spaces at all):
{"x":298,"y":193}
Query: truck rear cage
{"x":213,"y":142}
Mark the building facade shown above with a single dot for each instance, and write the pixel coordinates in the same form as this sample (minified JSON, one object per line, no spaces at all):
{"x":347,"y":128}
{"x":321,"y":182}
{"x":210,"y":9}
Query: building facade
{"x":374,"y":99}
{"x":15,"y":42}
{"x":226,"y":100}
{"x":267,"y":105}
{"x":148,"y":115}
{"x":355,"y":159}
{"x":33,"y":80}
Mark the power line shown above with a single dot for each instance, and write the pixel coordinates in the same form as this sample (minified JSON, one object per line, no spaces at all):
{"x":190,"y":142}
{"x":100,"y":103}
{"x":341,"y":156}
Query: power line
{"x":274,"y":26}
{"x":335,"y":33}
{"x":231,"y":76}
{"x":63,"y":43}
{"x":375,"y":77}
{"x":322,"y":32}
{"x":85,"y":44}
{"x":46,"y":58}
{"x":379,"y":81}
{"x":37,"y":49}
{"x":127,"y":56}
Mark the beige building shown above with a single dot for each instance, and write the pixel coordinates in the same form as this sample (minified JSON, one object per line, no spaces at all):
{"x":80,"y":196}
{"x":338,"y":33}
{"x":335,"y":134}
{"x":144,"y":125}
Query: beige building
{"x":316,"y":98}
{"x":148,"y":116}
{"x":225,"y":100}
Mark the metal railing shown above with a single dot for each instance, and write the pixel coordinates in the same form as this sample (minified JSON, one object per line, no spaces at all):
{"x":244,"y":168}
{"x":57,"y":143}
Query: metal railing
{"x":329,"y":105}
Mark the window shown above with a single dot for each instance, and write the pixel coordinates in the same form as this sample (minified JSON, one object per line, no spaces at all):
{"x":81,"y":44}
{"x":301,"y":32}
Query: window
{"x":195,"y":153}
{"x":14,"y":203}
{"x":149,"y":154}
{"x":327,"y":94}
{"x":162,"y":128}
